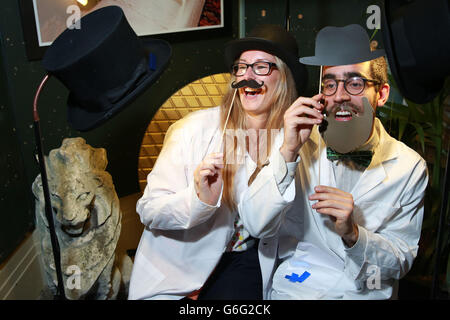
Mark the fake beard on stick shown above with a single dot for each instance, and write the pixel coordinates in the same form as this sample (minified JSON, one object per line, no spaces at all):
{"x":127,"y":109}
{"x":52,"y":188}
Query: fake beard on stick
{"x":346,"y":136}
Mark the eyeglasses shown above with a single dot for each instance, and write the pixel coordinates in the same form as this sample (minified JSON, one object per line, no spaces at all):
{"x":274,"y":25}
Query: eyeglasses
{"x":261,"y":68}
{"x":353,"y":86}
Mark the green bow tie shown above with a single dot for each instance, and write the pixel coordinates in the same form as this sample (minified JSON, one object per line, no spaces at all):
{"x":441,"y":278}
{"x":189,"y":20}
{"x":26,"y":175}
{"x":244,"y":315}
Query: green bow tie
{"x":363,"y":158}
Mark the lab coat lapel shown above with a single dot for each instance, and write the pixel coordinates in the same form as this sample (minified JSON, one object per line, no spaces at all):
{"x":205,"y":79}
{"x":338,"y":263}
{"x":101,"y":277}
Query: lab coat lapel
{"x":323,"y":172}
{"x":371,"y":177}
{"x":376,"y":171}
{"x":327,"y":178}
{"x":317,"y":149}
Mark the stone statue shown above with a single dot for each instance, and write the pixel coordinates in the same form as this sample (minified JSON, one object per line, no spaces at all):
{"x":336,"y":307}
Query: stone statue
{"x":87,"y":220}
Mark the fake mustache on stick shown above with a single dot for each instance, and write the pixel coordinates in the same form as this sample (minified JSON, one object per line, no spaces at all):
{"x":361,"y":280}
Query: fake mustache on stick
{"x":247,"y":83}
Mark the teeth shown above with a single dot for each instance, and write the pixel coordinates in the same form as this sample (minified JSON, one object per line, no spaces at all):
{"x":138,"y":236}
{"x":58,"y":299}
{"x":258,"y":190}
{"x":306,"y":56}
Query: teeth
{"x":251,"y":91}
{"x":344,"y":113}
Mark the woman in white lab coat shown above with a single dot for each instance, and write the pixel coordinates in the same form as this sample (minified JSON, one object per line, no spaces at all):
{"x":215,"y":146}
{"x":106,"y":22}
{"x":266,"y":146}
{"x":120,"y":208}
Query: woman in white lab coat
{"x":211,"y":216}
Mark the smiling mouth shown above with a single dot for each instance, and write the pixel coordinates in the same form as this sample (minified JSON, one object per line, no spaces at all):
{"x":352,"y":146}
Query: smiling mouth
{"x":343,"y":115}
{"x":252,"y":92}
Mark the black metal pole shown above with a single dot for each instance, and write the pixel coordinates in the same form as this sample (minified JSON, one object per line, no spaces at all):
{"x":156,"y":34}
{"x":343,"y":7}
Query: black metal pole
{"x":48,"y":205}
{"x":287,"y":21}
{"x":442,"y":215}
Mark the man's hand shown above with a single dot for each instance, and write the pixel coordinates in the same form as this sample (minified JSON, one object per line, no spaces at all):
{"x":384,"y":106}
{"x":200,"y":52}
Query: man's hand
{"x":208,"y":178}
{"x":299,"y":120}
{"x":339,"y":206}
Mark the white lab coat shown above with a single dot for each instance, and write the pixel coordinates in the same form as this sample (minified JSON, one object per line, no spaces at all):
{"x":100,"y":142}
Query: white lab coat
{"x":388,"y":201}
{"x":184,"y":238}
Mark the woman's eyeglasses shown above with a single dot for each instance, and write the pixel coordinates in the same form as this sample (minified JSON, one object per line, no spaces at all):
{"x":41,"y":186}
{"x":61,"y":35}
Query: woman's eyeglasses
{"x":260,"y":68}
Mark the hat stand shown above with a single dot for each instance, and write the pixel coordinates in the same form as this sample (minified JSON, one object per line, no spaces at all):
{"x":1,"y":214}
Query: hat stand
{"x":48,"y":205}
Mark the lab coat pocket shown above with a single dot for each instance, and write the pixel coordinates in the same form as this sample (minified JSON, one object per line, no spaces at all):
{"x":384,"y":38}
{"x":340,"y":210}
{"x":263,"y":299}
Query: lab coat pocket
{"x":310,"y":274}
{"x":372,"y":214}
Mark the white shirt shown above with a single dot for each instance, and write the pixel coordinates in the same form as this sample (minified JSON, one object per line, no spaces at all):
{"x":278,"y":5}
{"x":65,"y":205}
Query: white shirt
{"x":346,"y":172}
{"x":241,"y":239}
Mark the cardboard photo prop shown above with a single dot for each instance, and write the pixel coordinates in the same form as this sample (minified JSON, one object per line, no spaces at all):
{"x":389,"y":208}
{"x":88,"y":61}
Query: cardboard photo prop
{"x":347,"y":136}
{"x":342,"y":46}
{"x":337,"y":46}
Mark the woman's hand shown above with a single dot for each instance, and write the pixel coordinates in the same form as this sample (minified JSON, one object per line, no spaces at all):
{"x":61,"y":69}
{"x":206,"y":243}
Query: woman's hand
{"x":208,"y":178}
{"x":299,"y":120}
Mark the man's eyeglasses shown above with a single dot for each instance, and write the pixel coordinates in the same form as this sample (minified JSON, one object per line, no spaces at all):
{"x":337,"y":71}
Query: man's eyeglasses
{"x":261,"y":68}
{"x":353,"y":86}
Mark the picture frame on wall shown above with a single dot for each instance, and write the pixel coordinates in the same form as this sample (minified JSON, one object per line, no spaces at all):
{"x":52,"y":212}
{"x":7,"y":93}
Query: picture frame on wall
{"x":172,"y":20}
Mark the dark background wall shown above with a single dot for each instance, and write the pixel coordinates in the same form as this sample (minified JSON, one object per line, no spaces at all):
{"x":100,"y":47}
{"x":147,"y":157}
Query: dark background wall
{"x":307,"y":18}
{"x":195,"y":55}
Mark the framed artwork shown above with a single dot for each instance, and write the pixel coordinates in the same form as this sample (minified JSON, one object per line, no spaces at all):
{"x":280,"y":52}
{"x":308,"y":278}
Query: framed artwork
{"x":173,"y":20}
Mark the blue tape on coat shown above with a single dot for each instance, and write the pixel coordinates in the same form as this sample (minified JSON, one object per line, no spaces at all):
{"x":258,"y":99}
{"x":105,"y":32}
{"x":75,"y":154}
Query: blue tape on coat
{"x":295,"y":278}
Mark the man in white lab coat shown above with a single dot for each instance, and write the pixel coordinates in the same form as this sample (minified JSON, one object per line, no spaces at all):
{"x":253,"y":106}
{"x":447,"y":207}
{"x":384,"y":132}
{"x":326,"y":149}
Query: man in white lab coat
{"x":354,"y":227}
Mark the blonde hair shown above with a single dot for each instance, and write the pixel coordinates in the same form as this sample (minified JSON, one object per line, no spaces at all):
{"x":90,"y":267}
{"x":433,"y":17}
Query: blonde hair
{"x":283,"y":96}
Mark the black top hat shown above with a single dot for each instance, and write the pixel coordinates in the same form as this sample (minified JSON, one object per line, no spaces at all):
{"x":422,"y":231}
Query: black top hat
{"x":274,"y":40}
{"x":340,"y":46}
{"x":104,"y":65}
{"x":416,"y":37}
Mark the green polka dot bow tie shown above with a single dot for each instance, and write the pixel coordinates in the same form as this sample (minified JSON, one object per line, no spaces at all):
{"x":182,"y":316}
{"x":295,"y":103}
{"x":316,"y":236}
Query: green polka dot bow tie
{"x":362,"y":158}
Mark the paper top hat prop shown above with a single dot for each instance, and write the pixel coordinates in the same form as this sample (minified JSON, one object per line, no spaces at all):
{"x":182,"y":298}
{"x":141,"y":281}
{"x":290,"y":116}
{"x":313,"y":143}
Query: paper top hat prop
{"x":416,"y":38}
{"x":274,"y":40}
{"x":341,"y":46}
{"x":104,"y":65}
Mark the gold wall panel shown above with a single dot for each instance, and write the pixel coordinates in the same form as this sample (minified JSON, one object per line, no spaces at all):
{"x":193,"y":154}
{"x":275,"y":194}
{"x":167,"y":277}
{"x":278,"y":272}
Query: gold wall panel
{"x":200,"y":94}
